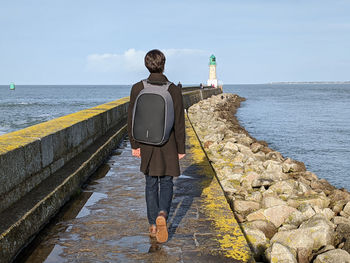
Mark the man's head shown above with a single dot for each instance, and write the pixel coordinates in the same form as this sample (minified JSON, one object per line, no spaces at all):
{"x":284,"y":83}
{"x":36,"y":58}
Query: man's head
{"x":154,"y":61}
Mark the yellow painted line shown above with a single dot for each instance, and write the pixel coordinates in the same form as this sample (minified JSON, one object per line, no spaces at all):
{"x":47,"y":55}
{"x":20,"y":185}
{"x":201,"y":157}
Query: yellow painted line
{"x":228,"y":232}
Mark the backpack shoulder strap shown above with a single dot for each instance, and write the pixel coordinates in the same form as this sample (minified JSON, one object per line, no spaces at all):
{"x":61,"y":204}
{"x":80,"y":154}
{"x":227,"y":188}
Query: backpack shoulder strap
{"x":145,"y":84}
{"x":167,"y":85}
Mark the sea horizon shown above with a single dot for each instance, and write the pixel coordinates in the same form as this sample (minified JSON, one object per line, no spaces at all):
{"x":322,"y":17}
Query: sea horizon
{"x":190,"y":84}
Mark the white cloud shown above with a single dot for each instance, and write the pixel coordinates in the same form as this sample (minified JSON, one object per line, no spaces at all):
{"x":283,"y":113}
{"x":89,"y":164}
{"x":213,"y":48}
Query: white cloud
{"x":186,"y":65}
{"x":132,"y":60}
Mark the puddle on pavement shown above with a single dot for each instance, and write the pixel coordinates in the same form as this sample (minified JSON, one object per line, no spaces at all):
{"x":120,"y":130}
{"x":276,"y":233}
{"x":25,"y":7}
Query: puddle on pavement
{"x":78,"y":207}
{"x":93,"y":199}
{"x":186,"y":176}
{"x":136,"y":244}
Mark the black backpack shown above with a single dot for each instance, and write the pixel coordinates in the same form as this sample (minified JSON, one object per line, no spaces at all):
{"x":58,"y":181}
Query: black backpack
{"x":153,"y":114}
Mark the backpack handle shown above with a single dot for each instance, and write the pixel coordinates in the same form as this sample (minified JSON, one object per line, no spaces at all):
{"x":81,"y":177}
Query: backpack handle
{"x":163,"y":85}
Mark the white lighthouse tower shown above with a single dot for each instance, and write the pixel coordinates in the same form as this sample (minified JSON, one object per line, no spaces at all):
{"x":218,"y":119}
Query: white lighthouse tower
{"x":212,"y":81}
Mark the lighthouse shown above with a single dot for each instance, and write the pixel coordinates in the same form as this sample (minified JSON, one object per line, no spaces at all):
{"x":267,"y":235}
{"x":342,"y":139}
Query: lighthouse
{"x":212,"y":81}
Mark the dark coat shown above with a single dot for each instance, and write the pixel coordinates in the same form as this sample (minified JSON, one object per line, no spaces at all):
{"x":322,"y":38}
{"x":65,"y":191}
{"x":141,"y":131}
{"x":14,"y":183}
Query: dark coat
{"x":161,"y":160}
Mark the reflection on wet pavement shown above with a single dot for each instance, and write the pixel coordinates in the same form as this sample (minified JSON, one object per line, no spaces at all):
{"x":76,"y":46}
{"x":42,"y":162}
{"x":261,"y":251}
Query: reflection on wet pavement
{"x":107,"y":222}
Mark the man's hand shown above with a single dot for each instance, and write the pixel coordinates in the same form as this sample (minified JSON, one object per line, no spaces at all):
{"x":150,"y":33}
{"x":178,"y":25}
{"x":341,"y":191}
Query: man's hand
{"x":136,"y":152}
{"x":181,"y":155}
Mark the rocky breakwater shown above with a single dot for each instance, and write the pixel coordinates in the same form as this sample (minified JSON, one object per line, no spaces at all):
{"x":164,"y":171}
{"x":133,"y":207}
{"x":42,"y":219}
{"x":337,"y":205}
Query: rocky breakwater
{"x":287,"y":213}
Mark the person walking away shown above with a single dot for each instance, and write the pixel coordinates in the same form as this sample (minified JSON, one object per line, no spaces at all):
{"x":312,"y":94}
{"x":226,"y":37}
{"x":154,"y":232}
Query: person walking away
{"x":159,"y":163}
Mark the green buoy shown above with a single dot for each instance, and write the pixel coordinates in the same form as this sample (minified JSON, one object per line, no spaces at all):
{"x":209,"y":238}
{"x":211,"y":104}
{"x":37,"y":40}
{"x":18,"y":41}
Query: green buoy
{"x":12,"y":86}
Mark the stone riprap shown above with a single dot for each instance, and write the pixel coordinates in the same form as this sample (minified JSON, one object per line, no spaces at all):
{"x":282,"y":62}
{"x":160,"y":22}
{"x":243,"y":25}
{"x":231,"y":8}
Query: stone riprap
{"x":287,"y":213}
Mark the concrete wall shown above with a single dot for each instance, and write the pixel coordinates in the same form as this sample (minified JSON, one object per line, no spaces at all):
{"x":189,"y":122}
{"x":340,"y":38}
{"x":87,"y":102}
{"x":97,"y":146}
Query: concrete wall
{"x":30,"y":155}
{"x":192,"y":97}
{"x":42,"y":166}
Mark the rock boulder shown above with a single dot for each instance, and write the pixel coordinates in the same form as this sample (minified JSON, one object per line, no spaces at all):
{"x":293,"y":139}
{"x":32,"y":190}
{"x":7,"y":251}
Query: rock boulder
{"x":333,"y":256}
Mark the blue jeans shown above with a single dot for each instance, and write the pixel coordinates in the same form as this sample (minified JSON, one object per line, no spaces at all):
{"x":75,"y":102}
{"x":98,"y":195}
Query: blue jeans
{"x":159,"y":194}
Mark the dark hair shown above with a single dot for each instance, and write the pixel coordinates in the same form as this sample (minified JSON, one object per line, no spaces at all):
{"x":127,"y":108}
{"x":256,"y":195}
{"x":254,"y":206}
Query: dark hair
{"x":154,"y":61}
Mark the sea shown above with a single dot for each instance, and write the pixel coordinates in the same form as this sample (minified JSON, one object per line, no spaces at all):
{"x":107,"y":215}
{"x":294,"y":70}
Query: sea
{"x":306,"y":122}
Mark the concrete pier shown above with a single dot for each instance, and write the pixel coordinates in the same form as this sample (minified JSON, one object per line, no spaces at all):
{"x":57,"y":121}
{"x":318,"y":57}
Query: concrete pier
{"x":112,"y":224}
{"x":43,"y":166}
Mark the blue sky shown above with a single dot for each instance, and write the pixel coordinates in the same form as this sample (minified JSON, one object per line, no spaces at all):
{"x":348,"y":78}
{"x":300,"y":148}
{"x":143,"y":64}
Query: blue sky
{"x":104,"y":42}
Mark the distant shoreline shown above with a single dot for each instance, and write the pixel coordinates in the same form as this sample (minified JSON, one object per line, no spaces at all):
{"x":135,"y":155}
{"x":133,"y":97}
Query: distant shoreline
{"x":185,"y":85}
{"x":310,"y":82}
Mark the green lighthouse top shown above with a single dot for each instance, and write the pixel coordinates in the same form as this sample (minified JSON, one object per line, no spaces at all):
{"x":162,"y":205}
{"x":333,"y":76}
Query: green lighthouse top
{"x":212,"y":60}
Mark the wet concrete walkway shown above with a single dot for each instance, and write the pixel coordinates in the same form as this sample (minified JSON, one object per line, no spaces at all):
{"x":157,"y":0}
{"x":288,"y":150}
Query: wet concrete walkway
{"x":107,"y":222}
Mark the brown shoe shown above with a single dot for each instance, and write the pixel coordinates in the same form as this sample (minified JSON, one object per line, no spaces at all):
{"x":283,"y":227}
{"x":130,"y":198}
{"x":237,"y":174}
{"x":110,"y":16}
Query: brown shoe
{"x":162,"y":230}
{"x":152,"y":231}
